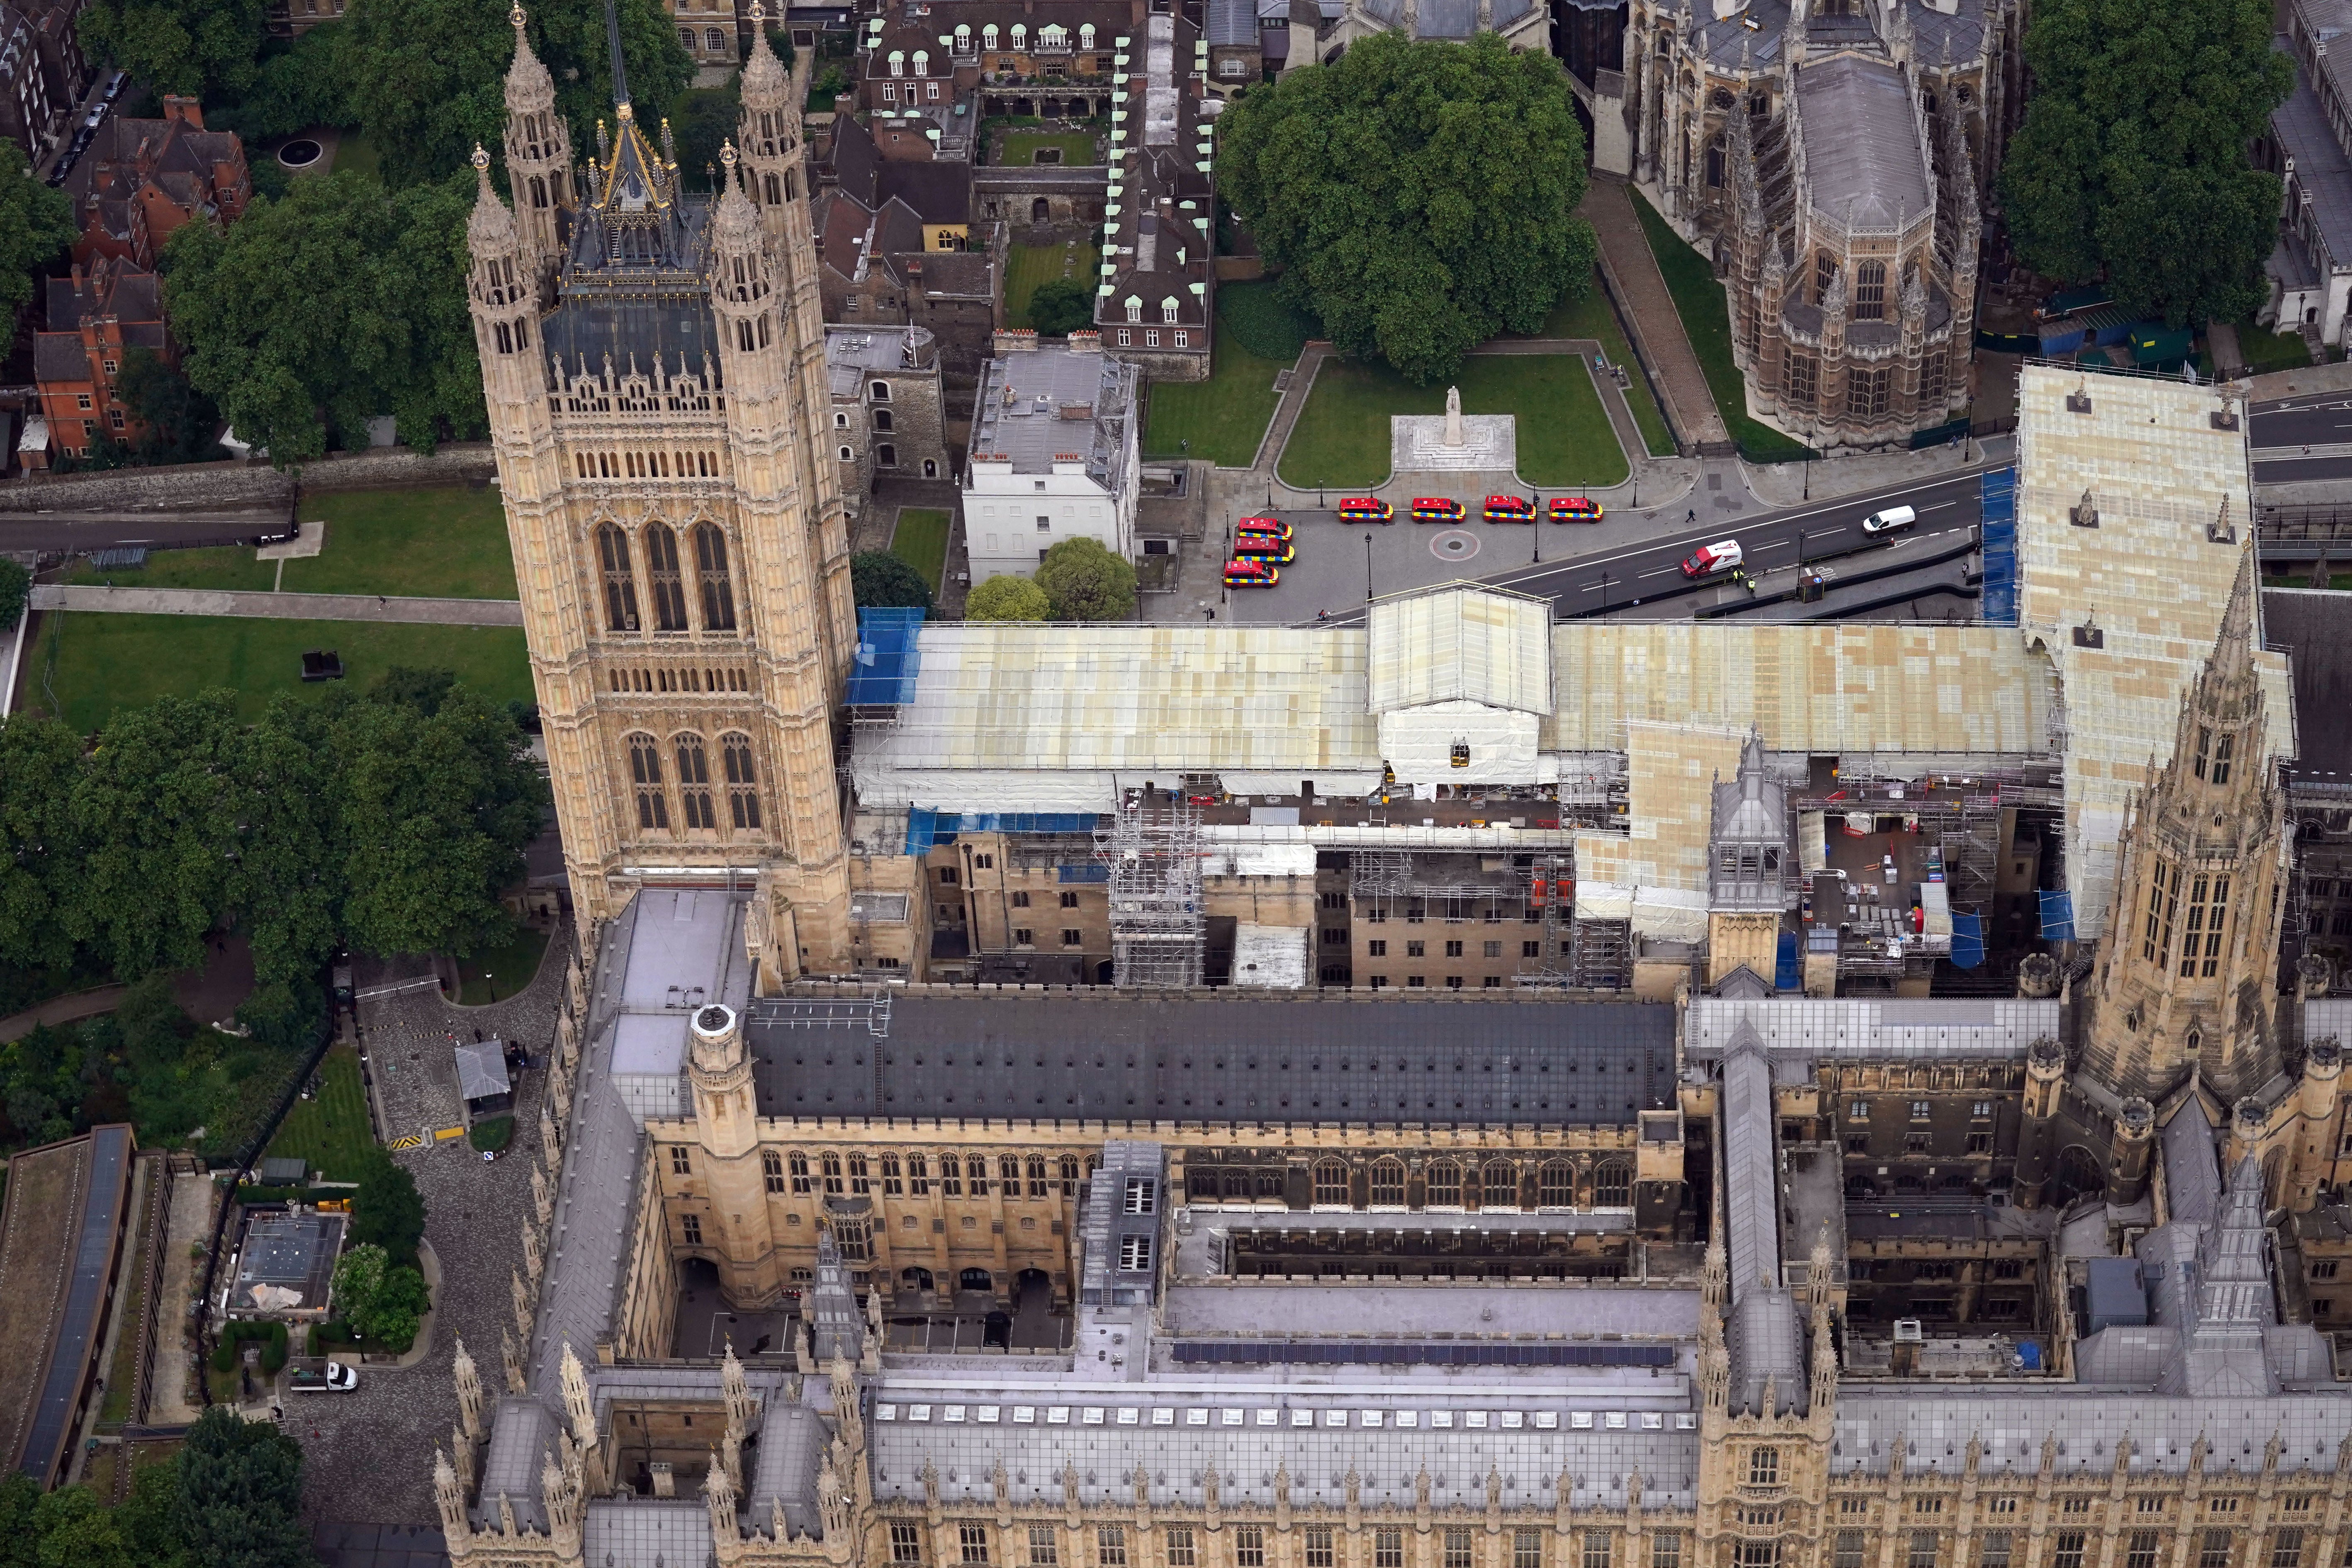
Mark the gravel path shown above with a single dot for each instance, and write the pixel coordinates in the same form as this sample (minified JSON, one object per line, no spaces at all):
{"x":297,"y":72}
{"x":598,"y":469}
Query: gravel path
{"x":370,"y":1452}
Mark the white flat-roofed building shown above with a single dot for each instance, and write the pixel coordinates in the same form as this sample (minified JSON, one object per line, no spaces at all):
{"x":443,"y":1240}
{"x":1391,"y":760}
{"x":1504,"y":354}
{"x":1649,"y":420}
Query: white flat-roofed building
{"x":1053,"y":454}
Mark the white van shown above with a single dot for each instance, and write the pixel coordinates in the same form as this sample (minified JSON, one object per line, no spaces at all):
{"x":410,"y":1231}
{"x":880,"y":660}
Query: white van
{"x":1887,"y":521}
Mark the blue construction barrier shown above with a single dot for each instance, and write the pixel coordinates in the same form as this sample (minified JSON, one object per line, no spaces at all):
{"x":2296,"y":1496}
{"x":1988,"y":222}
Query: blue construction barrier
{"x":1785,"y":975}
{"x":926,"y":828}
{"x":1998,"y":500}
{"x":888,"y":659}
{"x":1968,"y":942}
{"x":2057,"y":917}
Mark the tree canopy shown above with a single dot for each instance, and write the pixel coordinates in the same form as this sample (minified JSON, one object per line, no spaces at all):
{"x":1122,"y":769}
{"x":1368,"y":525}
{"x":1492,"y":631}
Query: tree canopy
{"x":880,"y":580}
{"x":380,"y":1300}
{"x":196,"y":47}
{"x":2132,"y":159}
{"x":1416,"y":197}
{"x":1007,"y":599}
{"x":36,"y":222}
{"x":1084,"y":582}
{"x":387,"y":1212}
{"x":338,"y":303}
{"x":307,"y":829}
{"x":240,"y":1495}
{"x":1060,"y":306}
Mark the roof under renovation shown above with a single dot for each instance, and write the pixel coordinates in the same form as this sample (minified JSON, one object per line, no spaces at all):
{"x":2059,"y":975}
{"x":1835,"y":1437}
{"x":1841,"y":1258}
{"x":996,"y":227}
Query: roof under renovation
{"x":1467,"y":645}
{"x":2127,"y":609}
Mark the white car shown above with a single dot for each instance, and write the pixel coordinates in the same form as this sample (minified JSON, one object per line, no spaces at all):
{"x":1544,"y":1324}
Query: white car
{"x":1710,"y":559}
{"x":1887,"y":521}
{"x":337,"y":1379}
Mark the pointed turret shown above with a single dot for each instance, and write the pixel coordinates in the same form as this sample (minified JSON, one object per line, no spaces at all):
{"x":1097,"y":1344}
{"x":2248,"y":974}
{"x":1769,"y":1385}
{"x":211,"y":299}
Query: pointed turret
{"x":538,"y":156}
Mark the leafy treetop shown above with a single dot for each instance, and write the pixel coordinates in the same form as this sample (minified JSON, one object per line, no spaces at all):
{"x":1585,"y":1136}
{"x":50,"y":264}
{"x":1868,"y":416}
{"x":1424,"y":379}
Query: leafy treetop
{"x":1007,"y":599}
{"x":1418,"y":198}
{"x":2132,"y":159}
{"x":1084,"y":582}
{"x":36,"y":222}
{"x":880,"y":580}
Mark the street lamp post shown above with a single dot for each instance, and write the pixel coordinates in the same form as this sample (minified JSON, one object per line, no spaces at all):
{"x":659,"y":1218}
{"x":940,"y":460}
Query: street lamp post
{"x":1368,"y":575}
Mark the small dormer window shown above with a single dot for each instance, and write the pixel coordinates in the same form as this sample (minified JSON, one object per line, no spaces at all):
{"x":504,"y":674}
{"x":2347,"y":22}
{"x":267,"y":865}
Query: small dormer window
{"x":922,"y":62}
{"x":897,"y":63}
{"x":1020,"y":35}
{"x":963,"y":39}
{"x":1134,"y":309}
{"x":1168,"y":309}
{"x":1138,"y":1196}
{"x":1086,"y":34}
{"x":1134,"y":1254}
{"x":988,"y":36}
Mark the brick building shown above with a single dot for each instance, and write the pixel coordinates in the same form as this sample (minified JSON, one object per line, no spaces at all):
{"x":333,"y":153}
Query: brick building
{"x":141,"y":179}
{"x":96,"y":317}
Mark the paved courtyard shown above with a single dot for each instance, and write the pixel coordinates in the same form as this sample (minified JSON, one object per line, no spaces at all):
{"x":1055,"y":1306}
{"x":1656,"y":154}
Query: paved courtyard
{"x":369,"y":1454}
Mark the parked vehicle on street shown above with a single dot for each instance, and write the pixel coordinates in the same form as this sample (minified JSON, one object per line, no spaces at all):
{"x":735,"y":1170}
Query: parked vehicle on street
{"x":1575,"y":509}
{"x":1264,"y":527}
{"x":1708,"y":559}
{"x":1509,"y":509}
{"x":1366,"y":509}
{"x":1889,"y":520}
{"x":333,"y":1378}
{"x":1248,"y":572}
{"x":1264,"y":547}
{"x":1436,"y":509}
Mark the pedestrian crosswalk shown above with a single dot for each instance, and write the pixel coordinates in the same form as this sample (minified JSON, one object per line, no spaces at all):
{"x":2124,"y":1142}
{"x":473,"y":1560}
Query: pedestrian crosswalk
{"x":2299,"y":454}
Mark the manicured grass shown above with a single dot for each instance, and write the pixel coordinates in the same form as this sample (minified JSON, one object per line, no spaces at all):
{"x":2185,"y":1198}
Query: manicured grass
{"x":448,"y":541}
{"x":1706,"y":319}
{"x":920,"y":541}
{"x":1564,"y":436}
{"x":498,"y":972}
{"x":231,"y":566}
{"x":2335,"y":580}
{"x":2264,"y":350}
{"x":491,"y":1135}
{"x":1222,"y":418}
{"x":1593,"y":317}
{"x":107,"y":661}
{"x":1261,"y":323}
{"x":331,"y":1129}
{"x":1030,"y":265}
{"x":1021,"y":147}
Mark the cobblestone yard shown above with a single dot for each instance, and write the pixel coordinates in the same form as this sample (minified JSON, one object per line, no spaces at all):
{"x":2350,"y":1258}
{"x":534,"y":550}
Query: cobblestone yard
{"x":369,"y":1454}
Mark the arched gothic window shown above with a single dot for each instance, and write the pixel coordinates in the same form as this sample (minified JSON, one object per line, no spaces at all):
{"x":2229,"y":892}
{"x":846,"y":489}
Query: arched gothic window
{"x":620,"y":585}
{"x":710,"y":571}
{"x":661,"y":568}
{"x":1499,"y":1187}
{"x":1444,"y":1185}
{"x":1388,"y":1183}
{"x":1557,"y":1187}
{"x":646,"y":774}
{"x":1330,"y":1182}
{"x":742,"y":781}
{"x":694,"y":781}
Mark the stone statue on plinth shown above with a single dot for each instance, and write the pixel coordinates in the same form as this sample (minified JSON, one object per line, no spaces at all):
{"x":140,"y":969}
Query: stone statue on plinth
{"x":1454,"y":417}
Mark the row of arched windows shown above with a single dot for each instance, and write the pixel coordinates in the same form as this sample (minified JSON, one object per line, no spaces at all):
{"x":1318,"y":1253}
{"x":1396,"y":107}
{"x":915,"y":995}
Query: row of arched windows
{"x":666,"y":579}
{"x":631,"y":464}
{"x":1445,"y":1184}
{"x":697,"y":807}
{"x":690,"y":678}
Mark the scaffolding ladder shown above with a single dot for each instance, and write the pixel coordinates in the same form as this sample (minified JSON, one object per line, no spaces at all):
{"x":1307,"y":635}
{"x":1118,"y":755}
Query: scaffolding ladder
{"x":1159,"y":935}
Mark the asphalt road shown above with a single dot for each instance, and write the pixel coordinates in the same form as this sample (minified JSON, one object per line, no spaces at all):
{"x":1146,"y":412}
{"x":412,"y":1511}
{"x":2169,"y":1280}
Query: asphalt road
{"x":1640,"y":577}
{"x":2304,"y":438}
{"x":52,"y":533}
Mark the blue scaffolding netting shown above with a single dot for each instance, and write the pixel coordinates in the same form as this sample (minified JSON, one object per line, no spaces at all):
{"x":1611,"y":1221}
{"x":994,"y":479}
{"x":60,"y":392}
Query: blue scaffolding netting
{"x":1786,"y":974}
{"x":1968,"y":942}
{"x":887,"y":658}
{"x":1998,"y":491}
{"x":2057,"y":917}
{"x":926,"y":828}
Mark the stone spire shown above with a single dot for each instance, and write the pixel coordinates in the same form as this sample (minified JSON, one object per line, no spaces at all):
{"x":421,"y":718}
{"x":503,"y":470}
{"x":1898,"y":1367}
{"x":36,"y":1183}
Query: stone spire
{"x":766,"y":86}
{"x":737,"y":1390}
{"x":577,"y":1402}
{"x":469,"y":1392}
{"x":513,"y":1359}
{"x":450,"y":1498}
{"x":719,"y":1492}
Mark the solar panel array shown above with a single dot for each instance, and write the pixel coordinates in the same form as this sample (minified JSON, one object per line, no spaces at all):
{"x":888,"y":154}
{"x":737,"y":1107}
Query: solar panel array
{"x":1329,"y":1352}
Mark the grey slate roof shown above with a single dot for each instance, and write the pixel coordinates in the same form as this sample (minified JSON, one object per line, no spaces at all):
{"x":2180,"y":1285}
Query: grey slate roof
{"x":522,"y":1430}
{"x":639,"y":1532}
{"x":2193,"y":1182}
{"x":1751,"y":1216}
{"x":1122,"y":1057}
{"x":1821,"y":1029}
{"x":482,"y":1070}
{"x":1233,"y":23}
{"x":1022,"y":396}
{"x":1862,"y":157}
{"x":2314,"y":627}
{"x":2320,"y":167}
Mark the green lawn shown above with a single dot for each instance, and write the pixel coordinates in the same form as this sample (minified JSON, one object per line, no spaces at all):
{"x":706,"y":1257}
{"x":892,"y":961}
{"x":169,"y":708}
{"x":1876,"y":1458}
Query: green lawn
{"x":1222,"y":418}
{"x":1592,"y":317}
{"x":2265,"y":351}
{"x":1342,"y":438}
{"x":496,"y":973}
{"x":107,"y":661}
{"x":354,"y":150}
{"x":1021,"y":147}
{"x":1030,"y":265}
{"x":1706,"y":319}
{"x":331,"y":1129}
{"x":920,"y":540}
{"x":446,"y":543}
{"x":230,"y":566}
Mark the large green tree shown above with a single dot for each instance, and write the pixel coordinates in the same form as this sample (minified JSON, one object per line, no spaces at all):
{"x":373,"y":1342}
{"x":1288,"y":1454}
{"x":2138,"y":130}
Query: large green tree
{"x":431,"y":75}
{"x":1417,"y":197}
{"x":880,"y":580}
{"x":241,"y":1495}
{"x":387,"y":1212}
{"x":152,"y":809}
{"x":2132,"y":159}
{"x":200,"y":47}
{"x":36,"y":224}
{"x":40,"y":852}
{"x":1084,"y":582}
{"x":338,"y":303}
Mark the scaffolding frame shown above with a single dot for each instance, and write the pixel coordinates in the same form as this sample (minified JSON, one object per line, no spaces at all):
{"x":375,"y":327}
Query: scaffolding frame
{"x":1159,"y":934}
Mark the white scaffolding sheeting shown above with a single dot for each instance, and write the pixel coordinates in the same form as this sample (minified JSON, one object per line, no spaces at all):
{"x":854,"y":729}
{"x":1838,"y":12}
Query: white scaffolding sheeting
{"x":2146,"y":587}
{"x":1461,"y":645}
{"x":1812,"y":842}
{"x":1157,"y":934}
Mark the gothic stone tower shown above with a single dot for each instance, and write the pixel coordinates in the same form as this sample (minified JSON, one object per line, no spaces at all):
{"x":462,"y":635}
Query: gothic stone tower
{"x":2187,"y":978}
{"x":652,"y":363}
